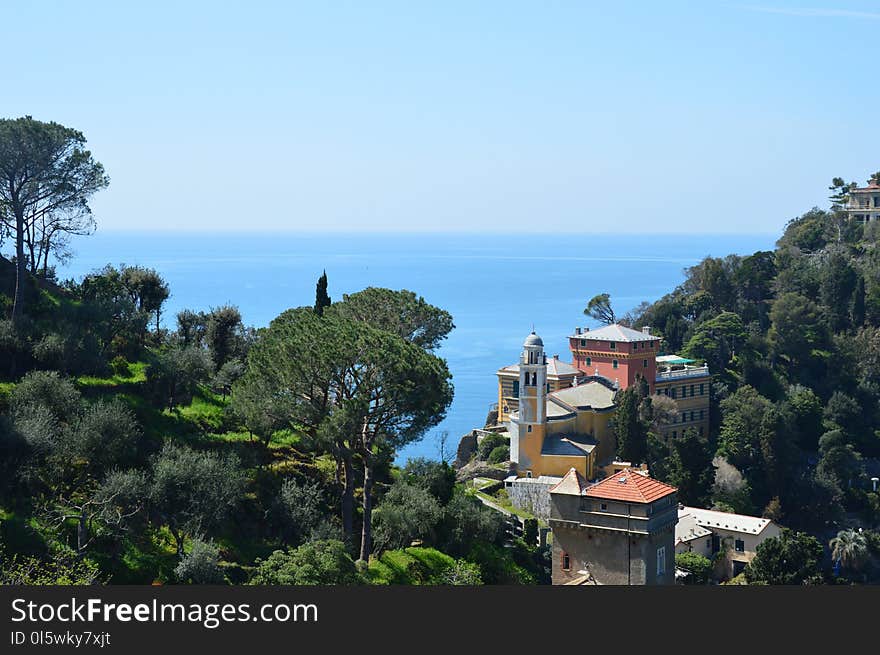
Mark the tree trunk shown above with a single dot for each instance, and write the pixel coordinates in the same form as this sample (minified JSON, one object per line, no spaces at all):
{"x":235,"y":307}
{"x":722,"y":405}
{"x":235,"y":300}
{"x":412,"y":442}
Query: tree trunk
{"x":20,"y":266}
{"x":348,"y":496}
{"x":367,"y":532}
{"x":82,"y":533}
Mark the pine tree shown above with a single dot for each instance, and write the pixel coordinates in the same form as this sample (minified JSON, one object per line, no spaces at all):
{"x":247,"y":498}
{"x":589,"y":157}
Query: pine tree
{"x":322,"y":300}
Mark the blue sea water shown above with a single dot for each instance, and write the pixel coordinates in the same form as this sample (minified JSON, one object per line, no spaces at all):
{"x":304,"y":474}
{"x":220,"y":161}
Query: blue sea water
{"x":495,"y":286}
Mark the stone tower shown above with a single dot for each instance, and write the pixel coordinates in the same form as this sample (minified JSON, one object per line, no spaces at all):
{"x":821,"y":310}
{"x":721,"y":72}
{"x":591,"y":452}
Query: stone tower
{"x":530,"y":423}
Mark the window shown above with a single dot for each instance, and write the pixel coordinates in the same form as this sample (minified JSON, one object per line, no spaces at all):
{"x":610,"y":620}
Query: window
{"x":661,"y":560}
{"x":701,"y":389}
{"x":674,"y":434}
{"x":684,"y":417}
{"x":692,"y":416}
{"x":672,"y":390}
{"x":692,"y":391}
{"x":603,"y":506}
{"x":739,"y":545}
{"x":516,"y":387}
{"x":529,"y":429}
{"x":528,"y":474}
{"x":701,"y":430}
{"x":566,"y":562}
{"x":613,"y":363}
{"x":613,"y":345}
{"x":583,"y":343}
{"x":701,"y":414}
{"x":709,"y":543}
{"x":589,"y":361}
{"x":548,"y":387}
{"x":645,"y":363}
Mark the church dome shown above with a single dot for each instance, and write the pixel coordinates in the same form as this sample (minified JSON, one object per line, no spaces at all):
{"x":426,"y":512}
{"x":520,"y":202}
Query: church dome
{"x":533,"y":340}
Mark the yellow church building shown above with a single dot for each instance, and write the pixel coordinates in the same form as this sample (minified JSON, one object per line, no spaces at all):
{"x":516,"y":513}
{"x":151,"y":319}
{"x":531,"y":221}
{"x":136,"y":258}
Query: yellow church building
{"x":556,"y":425}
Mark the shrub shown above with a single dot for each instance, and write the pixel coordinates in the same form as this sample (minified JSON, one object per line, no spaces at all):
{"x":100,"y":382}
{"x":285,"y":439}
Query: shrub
{"x":314,"y":563}
{"x":489,"y":443}
{"x":697,"y":566}
{"x":499,"y":454}
{"x":119,"y":366}
{"x":201,"y":565}
{"x":45,"y":389}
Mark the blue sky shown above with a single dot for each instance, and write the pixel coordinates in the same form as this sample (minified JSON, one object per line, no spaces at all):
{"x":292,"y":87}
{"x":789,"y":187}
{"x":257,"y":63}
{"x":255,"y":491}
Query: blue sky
{"x":455,"y":116}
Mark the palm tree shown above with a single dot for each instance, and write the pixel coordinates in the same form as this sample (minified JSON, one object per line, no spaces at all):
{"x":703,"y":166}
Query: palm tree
{"x":849,"y":549}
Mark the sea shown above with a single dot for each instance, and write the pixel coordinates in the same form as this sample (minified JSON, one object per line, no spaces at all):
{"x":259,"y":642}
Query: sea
{"x":497,"y":287}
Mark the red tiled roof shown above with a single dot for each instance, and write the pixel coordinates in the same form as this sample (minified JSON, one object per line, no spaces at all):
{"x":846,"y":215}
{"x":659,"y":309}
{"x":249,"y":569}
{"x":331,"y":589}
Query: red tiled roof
{"x":630,"y":487}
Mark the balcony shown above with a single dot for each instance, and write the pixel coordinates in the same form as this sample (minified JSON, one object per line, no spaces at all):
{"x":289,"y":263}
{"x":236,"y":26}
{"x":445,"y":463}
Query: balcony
{"x":683,"y":373}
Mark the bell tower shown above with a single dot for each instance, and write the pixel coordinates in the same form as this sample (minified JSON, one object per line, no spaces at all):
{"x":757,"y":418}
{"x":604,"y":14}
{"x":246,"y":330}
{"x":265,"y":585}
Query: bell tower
{"x":532,"y":413}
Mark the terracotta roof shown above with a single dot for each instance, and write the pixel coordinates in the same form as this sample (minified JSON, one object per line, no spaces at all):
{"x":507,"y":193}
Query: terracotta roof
{"x":572,"y":484}
{"x":615,"y":332}
{"x":629,"y":486}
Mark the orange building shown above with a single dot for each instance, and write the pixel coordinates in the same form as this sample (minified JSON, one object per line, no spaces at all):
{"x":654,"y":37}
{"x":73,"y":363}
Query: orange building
{"x":616,"y":352}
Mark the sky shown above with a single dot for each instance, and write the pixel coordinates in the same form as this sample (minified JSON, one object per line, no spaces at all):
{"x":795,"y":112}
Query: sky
{"x":551,"y":117}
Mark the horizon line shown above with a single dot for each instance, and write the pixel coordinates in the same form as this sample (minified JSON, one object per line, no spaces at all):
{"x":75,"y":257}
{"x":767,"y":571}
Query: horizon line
{"x":414,"y":233}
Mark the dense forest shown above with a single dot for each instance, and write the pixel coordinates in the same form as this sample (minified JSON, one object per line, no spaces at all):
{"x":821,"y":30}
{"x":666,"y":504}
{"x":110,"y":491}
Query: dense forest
{"x":792,"y":337}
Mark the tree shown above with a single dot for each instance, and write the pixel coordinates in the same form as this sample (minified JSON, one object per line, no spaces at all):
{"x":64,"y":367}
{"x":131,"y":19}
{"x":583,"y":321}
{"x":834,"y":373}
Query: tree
{"x":194,"y":492}
{"x":797,"y":327}
{"x":739,"y":439}
{"x":839,"y":191}
{"x":224,"y":334}
{"x":838,"y":284}
{"x":301,"y":505}
{"x":632,"y":437}
{"x":315,"y":563}
{"x":351,"y":388}
{"x":407,"y":513}
{"x":849,"y":550}
{"x":690,"y":469}
{"x":227,"y":375}
{"x":176,"y":372}
{"x":792,"y":558}
{"x":438,"y":478}
{"x":45,"y":173}
{"x":201,"y":565}
{"x":717,"y":341}
{"x":398,"y":312}
{"x":147,"y":288}
{"x":108,"y":510}
{"x":698,"y":567}
{"x":322,"y":300}
{"x":599,"y":308}
{"x":191,"y":327}
{"x":857,"y":307}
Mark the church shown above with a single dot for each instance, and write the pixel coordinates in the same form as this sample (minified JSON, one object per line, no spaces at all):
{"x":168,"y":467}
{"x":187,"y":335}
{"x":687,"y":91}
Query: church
{"x":558,"y":414}
{"x":558,"y":425}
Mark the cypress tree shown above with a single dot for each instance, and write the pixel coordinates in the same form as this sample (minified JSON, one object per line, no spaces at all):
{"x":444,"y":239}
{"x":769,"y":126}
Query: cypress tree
{"x":632,"y":438}
{"x":858,"y":304}
{"x":322,"y":300}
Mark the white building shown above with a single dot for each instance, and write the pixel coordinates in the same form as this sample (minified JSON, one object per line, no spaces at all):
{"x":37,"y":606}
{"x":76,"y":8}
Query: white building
{"x":863,"y":205}
{"x":707,"y":531}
